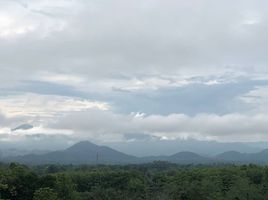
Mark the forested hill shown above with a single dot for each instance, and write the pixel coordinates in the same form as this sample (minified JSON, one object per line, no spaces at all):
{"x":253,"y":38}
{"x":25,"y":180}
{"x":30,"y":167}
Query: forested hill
{"x":86,"y":152}
{"x":154,"y":181}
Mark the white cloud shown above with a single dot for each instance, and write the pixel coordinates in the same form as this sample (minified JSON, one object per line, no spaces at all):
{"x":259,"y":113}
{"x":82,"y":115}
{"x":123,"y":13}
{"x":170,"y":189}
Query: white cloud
{"x":106,"y":125}
{"x":45,"y":106}
{"x":39,"y":110}
{"x":9,"y":28}
{"x":62,"y":79}
{"x":257,"y":99}
{"x":7,"y":131}
{"x":104,"y":46}
{"x":252,"y":18}
{"x":101,"y":40}
{"x":18,"y":19}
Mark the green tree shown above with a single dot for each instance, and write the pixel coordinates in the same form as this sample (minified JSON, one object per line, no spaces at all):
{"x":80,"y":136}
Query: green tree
{"x":45,"y":194}
{"x":65,"y":187}
{"x":21,"y":182}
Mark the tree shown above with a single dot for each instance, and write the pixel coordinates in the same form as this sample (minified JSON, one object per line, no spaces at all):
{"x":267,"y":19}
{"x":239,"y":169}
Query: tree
{"x":45,"y":194}
{"x":65,"y":187}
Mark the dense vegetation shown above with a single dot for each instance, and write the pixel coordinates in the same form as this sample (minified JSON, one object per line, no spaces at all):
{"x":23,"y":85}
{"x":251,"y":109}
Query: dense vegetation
{"x":154,"y":181}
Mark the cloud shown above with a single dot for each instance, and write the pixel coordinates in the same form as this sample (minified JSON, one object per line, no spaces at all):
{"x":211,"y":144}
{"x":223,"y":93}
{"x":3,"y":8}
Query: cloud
{"x":197,"y":96}
{"x":140,"y":38}
{"x":2,"y":119}
{"x":6,"y":121}
{"x":38,"y":108}
{"x":196,"y":68}
{"x":35,"y":142}
{"x":19,"y":19}
{"x":257,"y":99}
{"x":97,"y":120}
{"x":102,"y":125}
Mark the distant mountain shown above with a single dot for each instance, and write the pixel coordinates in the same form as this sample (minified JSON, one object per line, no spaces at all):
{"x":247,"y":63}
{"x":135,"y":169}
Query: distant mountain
{"x":187,"y":157}
{"x":137,"y":146}
{"x":184,"y":157}
{"x":259,"y":158}
{"x":80,"y":153}
{"x":86,"y":152}
{"x":245,"y":158}
{"x":232,"y":156}
{"x":157,"y":146}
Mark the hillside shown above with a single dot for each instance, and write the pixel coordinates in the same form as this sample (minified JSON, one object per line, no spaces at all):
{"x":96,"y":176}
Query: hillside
{"x":81,"y":153}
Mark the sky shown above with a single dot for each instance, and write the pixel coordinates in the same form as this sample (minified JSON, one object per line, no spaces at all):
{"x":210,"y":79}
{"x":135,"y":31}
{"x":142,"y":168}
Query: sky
{"x":119,"y":70}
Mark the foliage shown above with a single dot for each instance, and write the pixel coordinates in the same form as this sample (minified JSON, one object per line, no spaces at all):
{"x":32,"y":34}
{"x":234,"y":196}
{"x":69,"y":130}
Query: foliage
{"x":45,"y":194}
{"x":153,"y":181}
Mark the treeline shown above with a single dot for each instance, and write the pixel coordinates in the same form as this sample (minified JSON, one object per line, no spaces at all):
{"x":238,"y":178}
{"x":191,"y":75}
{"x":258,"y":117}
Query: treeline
{"x":155,"y":181}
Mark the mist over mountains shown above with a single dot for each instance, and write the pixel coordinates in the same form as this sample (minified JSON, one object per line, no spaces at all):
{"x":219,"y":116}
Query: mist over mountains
{"x":140,"y":147}
{"x":134,"y":149}
{"x":158,"y":146}
{"x":86,"y":152}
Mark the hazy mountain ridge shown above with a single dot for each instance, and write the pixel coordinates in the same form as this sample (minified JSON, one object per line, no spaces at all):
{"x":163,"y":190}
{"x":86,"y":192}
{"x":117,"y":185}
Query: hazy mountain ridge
{"x":145,"y":146}
{"x":237,"y":157}
{"x":154,"y":147}
{"x":83,"y":152}
{"x":86,"y":152}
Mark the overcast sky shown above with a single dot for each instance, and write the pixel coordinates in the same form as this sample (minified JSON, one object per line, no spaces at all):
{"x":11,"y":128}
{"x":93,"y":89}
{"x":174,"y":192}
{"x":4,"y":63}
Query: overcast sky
{"x":95,"y":69}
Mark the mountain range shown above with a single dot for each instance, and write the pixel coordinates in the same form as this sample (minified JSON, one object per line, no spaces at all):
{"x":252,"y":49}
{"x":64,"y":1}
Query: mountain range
{"x":83,"y":152}
{"x":148,"y":145}
{"x":154,"y":146}
{"x":86,"y":152}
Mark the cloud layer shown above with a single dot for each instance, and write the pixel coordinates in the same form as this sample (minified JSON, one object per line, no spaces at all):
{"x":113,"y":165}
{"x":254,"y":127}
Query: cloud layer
{"x":195,"y":68}
{"x":106,"y":126}
{"x":104,"y":40}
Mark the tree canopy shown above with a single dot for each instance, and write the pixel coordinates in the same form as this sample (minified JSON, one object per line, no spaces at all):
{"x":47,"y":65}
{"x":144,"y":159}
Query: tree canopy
{"x":154,"y":181}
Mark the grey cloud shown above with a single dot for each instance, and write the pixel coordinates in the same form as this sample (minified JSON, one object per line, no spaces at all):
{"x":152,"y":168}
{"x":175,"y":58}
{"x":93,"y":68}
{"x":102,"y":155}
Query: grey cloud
{"x":42,"y":87}
{"x":10,"y":121}
{"x":37,"y":141}
{"x":139,"y":137}
{"x":146,"y":37}
{"x":2,"y":119}
{"x":230,"y":127}
{"x":190,"y":99}
{"x":43,"y":13}
{"x":103,"y":42}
